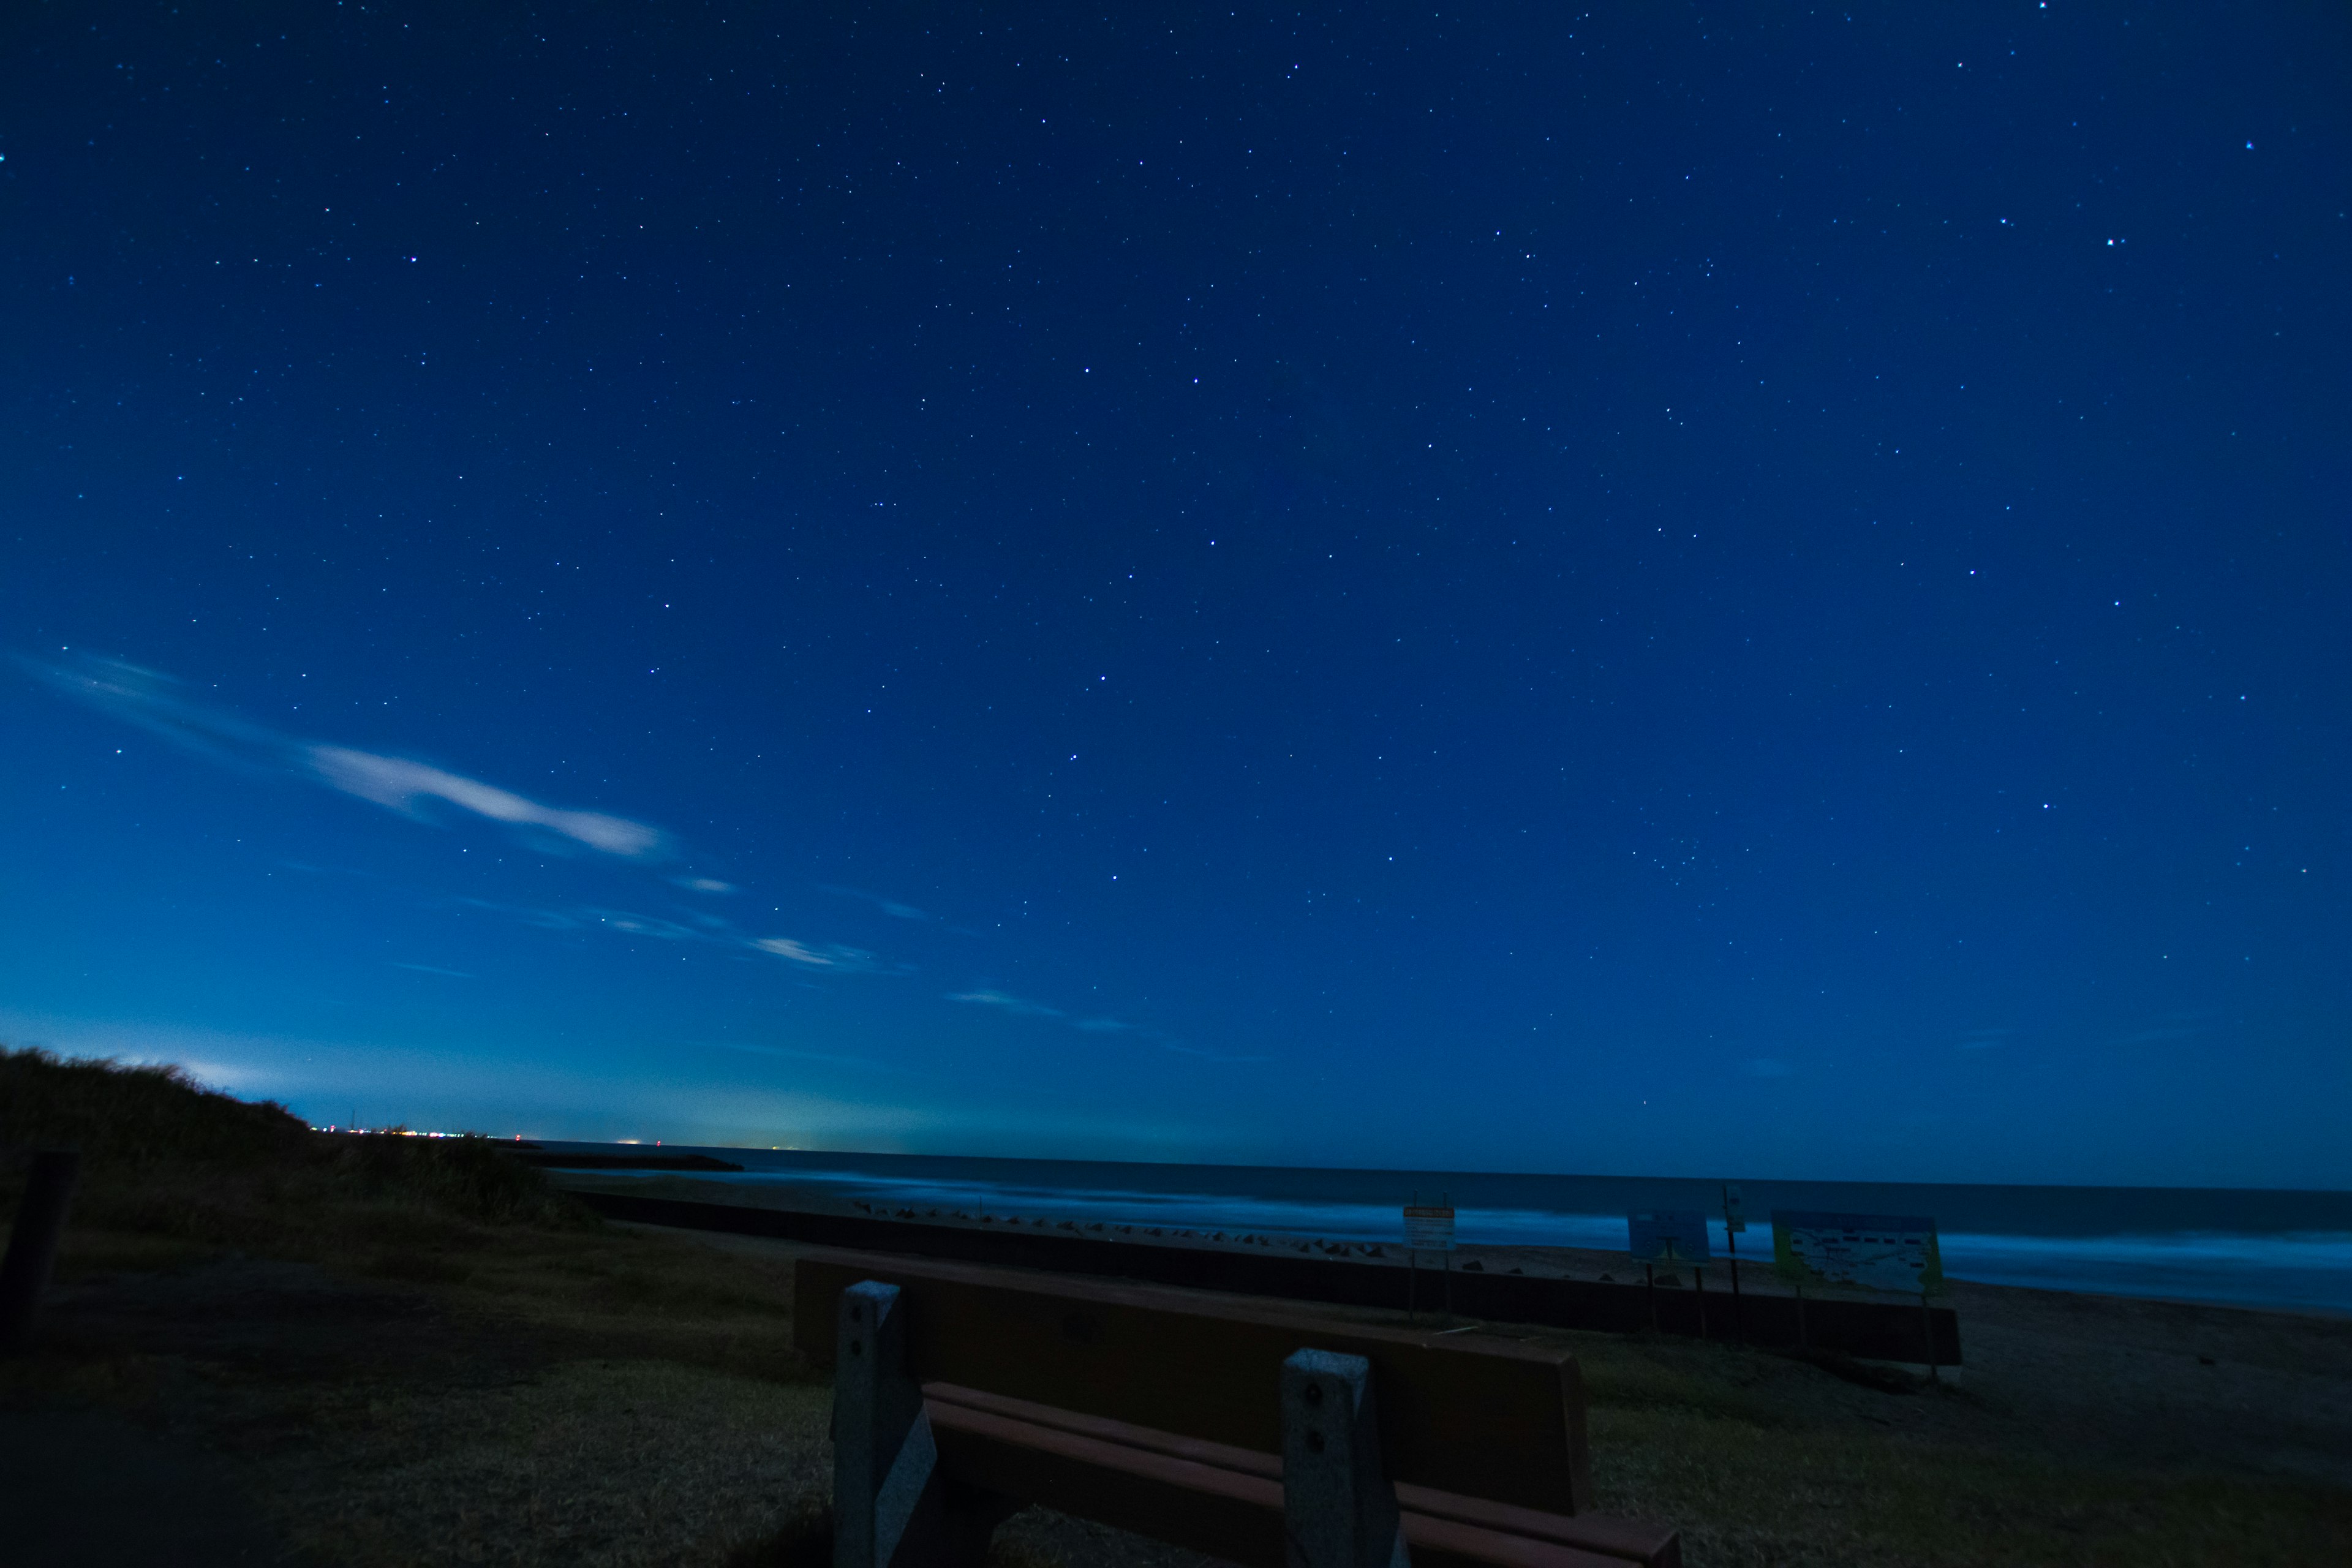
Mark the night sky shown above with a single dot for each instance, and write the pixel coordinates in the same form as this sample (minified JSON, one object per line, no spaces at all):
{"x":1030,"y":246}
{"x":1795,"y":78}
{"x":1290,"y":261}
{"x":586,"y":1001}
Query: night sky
{"x":1664,"y":591}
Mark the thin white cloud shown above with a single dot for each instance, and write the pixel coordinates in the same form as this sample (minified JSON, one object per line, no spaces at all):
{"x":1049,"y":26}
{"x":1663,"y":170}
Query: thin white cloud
{"x":705,"y":929}
{"x":853,"y":960}
{"x":152,"y":701}
{"x":1009,"y":1003}
{"x":1768,"y":1066}
{"x":628,"y":924}
{"x":431,"y":969}
{"x":156,"y":702}
{"x":400,"y":785}
{"x":891,"y":907}
{"x":420,"y":791}
{"x":545,"y":919}
{"x":1181,"y":1049}
{"x":1021,"y":1006}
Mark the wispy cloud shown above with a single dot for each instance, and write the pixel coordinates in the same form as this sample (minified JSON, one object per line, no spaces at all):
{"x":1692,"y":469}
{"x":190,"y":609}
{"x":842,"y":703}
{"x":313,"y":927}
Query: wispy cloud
{"x":1985,"y":1039}
{"x":154,"y":701}
{"x":1021,"y":1006}
{"x":890,"y":906}
{"x":631,"y":924}
{"x":1768,"y":1066}
{"x":1009,"y":1003}
{"x":830,"y":955}
{"x":545,"y":919}
{"x":158,"y":703}
{"x":1181,"y":1049}
{"x":431,"y":969}
{"x":424,"y":792}
{"x":399,"y":784}
{"x":2173,"y":1029}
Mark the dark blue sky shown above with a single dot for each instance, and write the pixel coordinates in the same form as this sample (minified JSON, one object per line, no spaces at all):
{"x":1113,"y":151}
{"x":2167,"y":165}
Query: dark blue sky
{"x":1664,"y":591}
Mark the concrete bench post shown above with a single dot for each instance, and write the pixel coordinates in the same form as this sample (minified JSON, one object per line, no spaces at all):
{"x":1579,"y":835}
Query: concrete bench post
{"x":885,"y":1490}
{"x":1339,"y":1509}
{"x":33,"y":1244}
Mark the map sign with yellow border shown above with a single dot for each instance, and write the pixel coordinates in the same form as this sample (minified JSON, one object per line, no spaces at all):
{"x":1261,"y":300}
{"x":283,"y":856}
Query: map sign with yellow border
{"x":1884,"y":1252}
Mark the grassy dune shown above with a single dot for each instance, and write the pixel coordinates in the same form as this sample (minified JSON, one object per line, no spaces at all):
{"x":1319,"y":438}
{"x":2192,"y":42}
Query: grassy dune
{"x":407,"y":1349}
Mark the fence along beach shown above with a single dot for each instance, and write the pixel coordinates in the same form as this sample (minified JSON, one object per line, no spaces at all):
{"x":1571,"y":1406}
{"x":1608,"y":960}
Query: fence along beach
{"x":2254,"y":1247}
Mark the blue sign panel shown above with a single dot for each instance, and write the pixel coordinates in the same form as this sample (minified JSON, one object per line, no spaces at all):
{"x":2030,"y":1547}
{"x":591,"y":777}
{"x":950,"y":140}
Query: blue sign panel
{"x":1667,"y":1236}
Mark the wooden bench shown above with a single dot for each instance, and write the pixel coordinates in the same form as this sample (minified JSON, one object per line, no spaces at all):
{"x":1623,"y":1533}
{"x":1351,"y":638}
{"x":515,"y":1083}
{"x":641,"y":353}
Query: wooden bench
{"x":1263,"y":1433}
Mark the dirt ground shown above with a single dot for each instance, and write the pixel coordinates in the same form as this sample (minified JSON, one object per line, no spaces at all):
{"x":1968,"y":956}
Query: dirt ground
{"x":612,"y":1401}
{"x":2123,"y":1378}
{"x":627,"y":1398}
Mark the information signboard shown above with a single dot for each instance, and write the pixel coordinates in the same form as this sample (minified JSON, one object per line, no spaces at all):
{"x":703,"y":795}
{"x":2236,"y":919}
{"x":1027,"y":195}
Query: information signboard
{"x":1429,"y":1227}
{"x":1885,"y":1252}
{"x":1667,"y":1236}
{"x":1735,"y":1209}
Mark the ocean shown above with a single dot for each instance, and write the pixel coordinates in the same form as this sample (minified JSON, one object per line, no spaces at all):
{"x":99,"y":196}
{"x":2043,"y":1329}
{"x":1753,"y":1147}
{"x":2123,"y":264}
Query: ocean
{"x":2246,"y":1247}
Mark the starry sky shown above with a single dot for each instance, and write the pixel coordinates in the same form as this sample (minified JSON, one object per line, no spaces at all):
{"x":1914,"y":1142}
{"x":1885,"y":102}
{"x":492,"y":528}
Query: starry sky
{"x":1663,"y":590}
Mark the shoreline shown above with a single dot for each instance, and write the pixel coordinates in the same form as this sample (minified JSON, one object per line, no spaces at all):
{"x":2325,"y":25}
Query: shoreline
{"x":1582,"y":1264}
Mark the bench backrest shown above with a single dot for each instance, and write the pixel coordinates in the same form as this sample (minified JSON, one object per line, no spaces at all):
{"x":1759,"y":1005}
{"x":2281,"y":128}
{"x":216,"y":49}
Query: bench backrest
{"x":1463,"y":1412}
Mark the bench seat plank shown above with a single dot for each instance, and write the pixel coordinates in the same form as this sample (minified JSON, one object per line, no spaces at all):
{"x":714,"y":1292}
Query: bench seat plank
{"x":1227,"y":1500}
{"x":1620,"y":1539}
{"x":1208,"y":1508}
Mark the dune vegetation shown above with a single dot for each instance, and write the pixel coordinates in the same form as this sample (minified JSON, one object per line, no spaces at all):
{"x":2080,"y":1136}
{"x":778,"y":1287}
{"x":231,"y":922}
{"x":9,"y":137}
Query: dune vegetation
{"x":406,"y":1346}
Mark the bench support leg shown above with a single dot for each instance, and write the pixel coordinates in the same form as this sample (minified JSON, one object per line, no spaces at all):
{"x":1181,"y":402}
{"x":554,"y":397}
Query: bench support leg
{"x":1339,"y":1509}
{"x":33,"y":1246}
{"x":889,"y":1499}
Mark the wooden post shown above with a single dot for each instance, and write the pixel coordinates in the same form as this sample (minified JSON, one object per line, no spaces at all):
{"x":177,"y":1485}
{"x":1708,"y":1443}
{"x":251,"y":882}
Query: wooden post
{"x":1411,"y":1263}
{"x":1738,"y":1311}
{"x":33,"y":1244}
{"x":1446,"y":1260}
{"x":1339,"y":1509}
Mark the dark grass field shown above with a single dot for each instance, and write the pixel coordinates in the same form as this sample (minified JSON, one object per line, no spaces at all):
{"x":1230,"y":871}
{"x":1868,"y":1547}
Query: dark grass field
{"x":270,"y":1345}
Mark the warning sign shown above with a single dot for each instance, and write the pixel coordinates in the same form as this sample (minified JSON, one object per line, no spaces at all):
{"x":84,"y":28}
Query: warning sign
{"x":1429,"y":1228}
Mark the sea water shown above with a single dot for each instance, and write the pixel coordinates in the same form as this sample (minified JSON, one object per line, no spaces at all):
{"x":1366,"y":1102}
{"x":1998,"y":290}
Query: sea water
{"x":2240,"y":1247}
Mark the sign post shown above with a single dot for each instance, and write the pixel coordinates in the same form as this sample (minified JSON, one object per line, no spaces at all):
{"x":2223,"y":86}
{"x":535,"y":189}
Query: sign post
{"x":1428,"y":1228}
{"x":1734,"y":1220}
{"x":1669,"y":1237}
